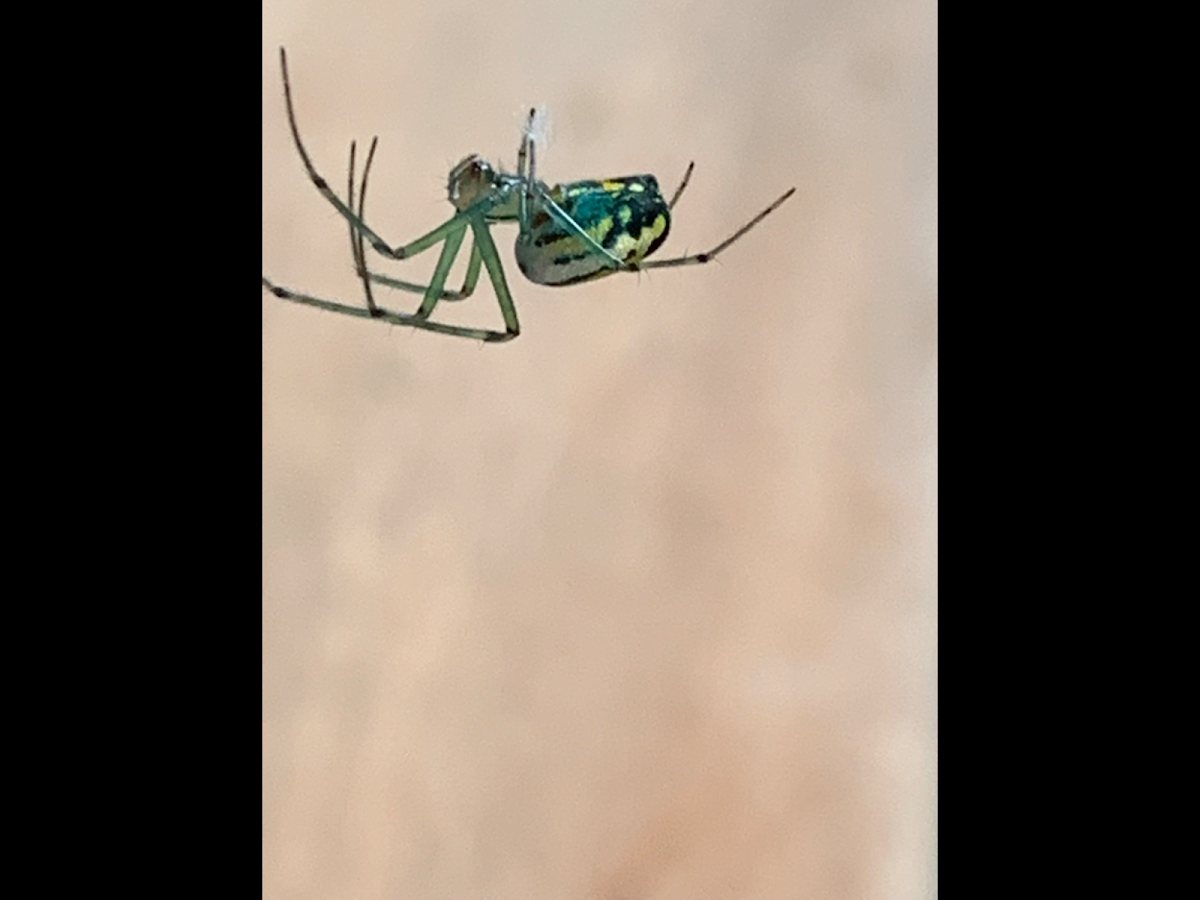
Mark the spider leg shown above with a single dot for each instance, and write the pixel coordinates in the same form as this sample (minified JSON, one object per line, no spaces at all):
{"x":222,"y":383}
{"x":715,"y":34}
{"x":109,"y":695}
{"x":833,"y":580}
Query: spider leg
{"x":687,"y":176}
{"x":386,"y":315}
{"x":524,"y":154}
{"x":381,"y":246}
{"x":357,"y":247}
{"x":487,"y":248}
{"x":356,"y":239}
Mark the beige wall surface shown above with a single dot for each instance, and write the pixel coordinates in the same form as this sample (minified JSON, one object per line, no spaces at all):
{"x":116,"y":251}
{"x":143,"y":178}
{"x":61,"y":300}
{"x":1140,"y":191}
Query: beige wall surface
{"x":641,"y":605}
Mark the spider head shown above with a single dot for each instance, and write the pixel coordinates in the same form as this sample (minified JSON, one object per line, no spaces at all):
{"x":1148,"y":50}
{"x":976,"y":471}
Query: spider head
{"x":472,"y":180}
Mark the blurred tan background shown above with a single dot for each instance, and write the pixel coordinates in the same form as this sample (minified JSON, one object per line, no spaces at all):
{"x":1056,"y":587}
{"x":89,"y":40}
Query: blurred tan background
{"x":643,"y":604}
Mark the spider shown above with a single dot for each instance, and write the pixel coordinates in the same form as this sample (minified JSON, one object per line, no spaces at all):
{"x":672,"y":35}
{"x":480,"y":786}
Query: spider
{"x":568,"y":234}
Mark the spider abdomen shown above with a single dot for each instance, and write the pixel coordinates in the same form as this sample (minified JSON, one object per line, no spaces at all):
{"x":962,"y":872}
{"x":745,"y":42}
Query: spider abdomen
{"x":627,"y":216}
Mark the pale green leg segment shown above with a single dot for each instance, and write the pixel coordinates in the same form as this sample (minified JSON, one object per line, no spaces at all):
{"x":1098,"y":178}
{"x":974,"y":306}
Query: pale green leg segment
{"x":491,"y":259}
{"x":473,"y":269}
{"x":386,"y":315}
{"x":442,"y":271}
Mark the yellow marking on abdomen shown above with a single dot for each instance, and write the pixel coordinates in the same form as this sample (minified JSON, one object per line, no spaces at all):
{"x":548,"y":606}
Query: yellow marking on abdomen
{"x":631,"y":249}
{"x":600,"y":230}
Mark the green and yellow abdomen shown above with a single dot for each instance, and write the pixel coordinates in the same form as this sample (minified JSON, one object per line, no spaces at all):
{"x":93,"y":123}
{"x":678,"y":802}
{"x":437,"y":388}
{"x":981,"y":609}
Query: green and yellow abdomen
{"x":628,"y":217}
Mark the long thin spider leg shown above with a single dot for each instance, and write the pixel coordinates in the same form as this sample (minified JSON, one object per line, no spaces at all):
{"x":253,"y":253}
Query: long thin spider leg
{"x":473,"y":268}
{"x":387,"y":315}
{"x":698,"y":258}
{"x":469,"y":283}
{"x":422,"y":243}
{"x":526,"y":156}
{"x":321,"y":184}
{"x":491,"y":259}
{"x":523,"y":152}
{"x":350,"y":200}
{"x":440,"y":272}
{"x":687,"y":176}
{"x":356,"y":239}
{"x":360,"y":258}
